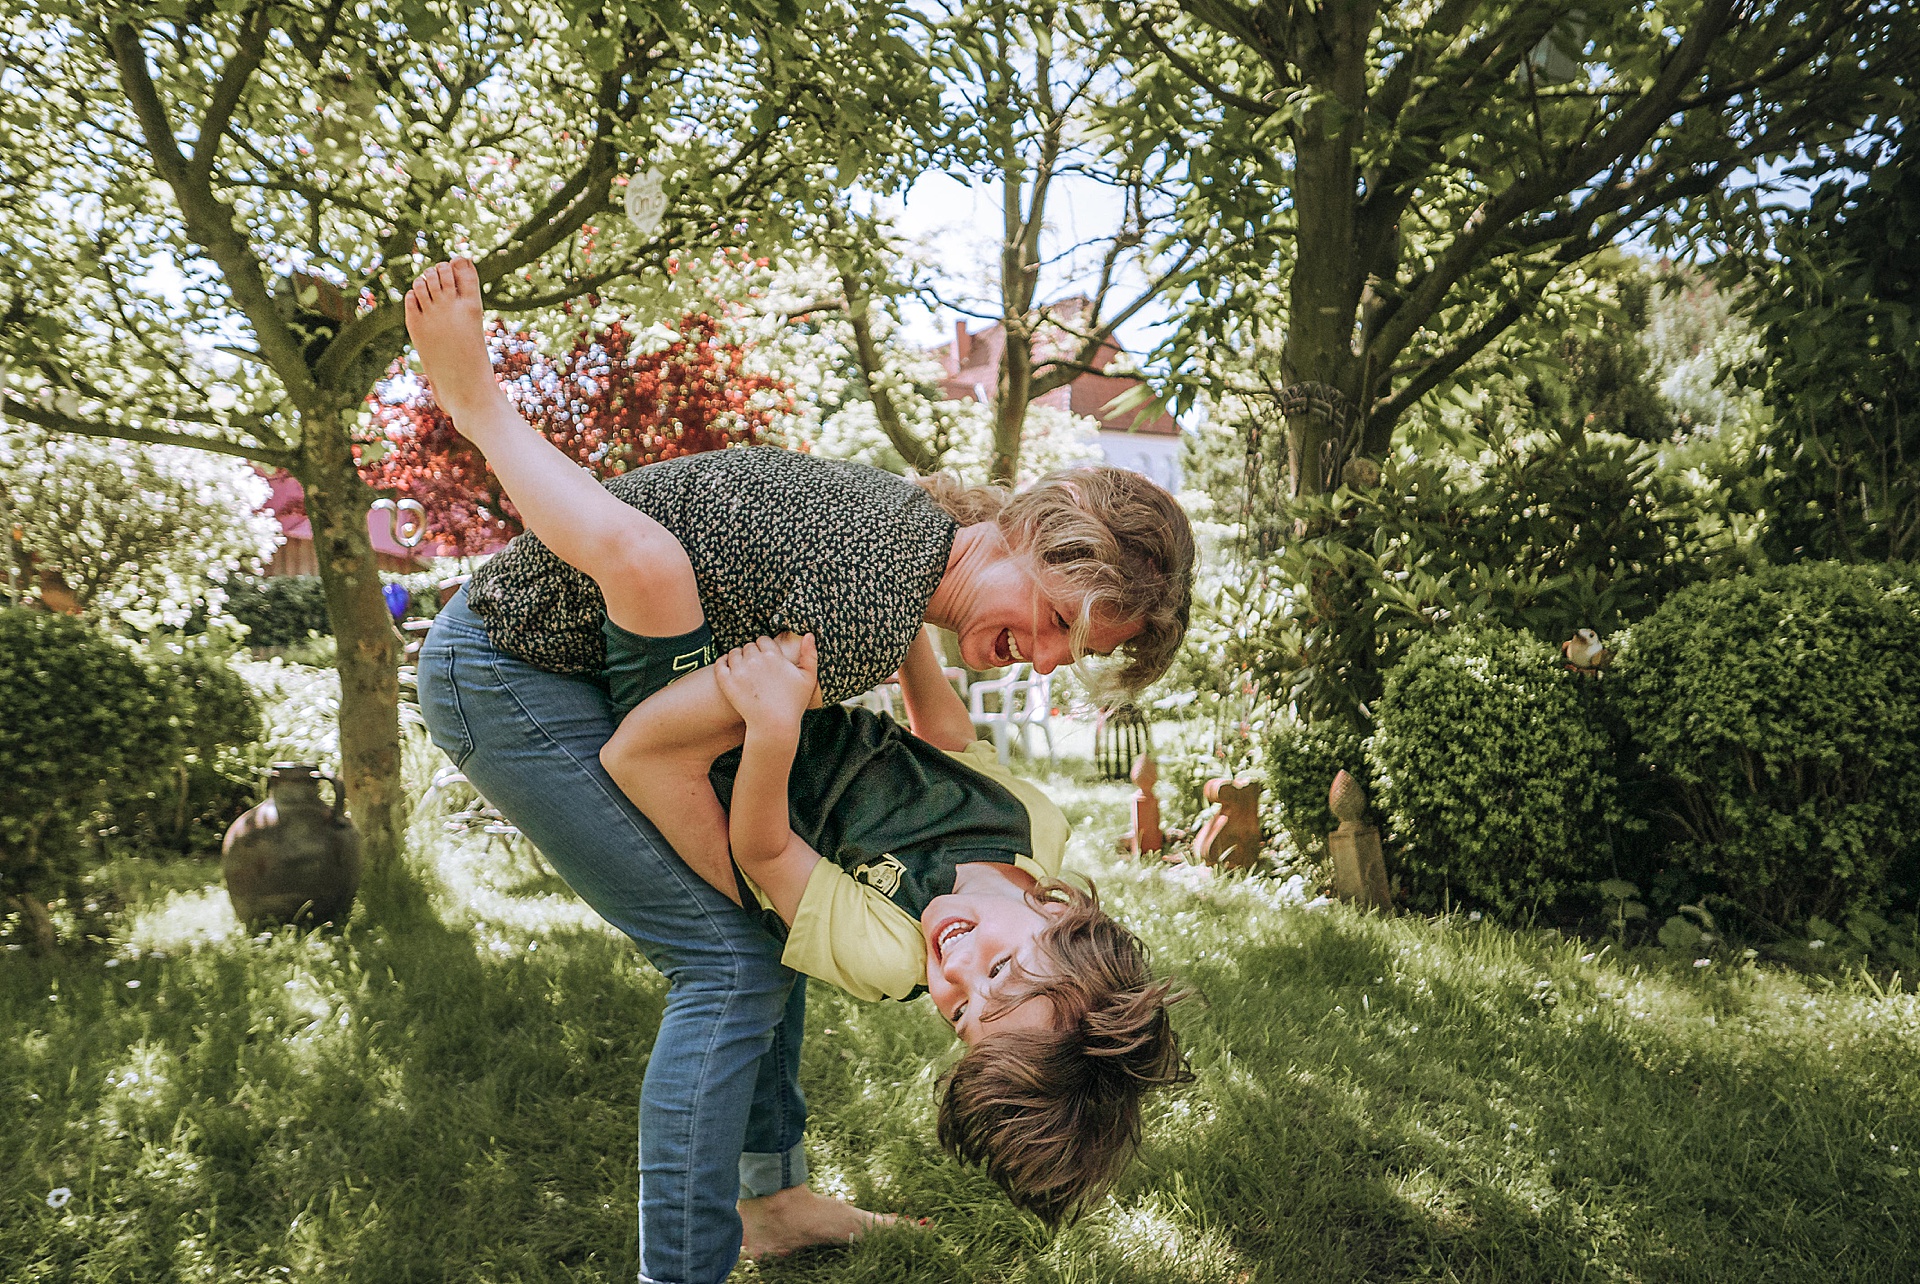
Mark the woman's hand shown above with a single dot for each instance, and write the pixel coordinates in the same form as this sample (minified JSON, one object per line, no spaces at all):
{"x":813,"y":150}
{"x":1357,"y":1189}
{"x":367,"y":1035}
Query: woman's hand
{"x":770,"y":683}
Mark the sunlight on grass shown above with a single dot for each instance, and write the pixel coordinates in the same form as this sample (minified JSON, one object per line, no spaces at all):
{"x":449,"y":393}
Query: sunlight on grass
{"x":183,"y":920}
{"x":1376,"y":1098}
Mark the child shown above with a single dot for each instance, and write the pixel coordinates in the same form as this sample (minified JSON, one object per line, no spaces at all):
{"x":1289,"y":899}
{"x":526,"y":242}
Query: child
{"x":939,"y":867}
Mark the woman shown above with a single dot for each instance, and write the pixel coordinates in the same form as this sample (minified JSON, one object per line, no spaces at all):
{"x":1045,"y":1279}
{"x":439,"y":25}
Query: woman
{"x":779,"y":542}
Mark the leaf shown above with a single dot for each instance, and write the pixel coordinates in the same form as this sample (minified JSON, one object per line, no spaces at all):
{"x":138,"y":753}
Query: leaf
{"x":1679,"y":934}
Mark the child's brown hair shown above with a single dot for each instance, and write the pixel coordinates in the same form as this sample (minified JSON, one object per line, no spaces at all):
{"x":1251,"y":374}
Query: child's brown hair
{"x":1055,"y":1114}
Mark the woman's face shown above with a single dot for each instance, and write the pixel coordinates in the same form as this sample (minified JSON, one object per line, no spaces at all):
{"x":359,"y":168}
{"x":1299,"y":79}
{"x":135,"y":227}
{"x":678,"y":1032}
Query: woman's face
{"x":1012,"y":618}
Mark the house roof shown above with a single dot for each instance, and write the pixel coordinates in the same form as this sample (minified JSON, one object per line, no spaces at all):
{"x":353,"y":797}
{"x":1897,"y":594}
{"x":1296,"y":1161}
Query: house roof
{"x":972,"y":360}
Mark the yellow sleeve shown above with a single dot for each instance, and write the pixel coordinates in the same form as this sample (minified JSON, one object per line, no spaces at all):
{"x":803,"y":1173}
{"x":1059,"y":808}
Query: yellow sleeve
{"x":848,"y":934}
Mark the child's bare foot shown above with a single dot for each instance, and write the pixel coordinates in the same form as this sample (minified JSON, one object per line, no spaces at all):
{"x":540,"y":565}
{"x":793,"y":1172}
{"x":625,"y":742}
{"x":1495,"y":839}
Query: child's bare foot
{"x":800,"y":1217}
{"x":443,"y":317}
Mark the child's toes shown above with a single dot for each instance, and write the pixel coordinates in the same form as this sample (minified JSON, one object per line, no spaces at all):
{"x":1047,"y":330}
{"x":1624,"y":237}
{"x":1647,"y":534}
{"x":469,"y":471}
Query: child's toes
{"x":466,"y":278}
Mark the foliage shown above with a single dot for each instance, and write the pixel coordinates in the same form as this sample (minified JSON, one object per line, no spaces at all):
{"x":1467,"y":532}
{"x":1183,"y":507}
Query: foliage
{"x":1495,"y":783}
{"x":1379,"y":192}
{"x":1783,"y":711}
{"x":1302,"y":758}
{"x":143,"y":535}
{"x":615,"y":401}
{"x":278,"y":610}
{"x":84,"y":715}
{"x":212,"y":214}
{"x":1834,"y":298}
{"x":184,"y":799}
{"x":1546,"y":533}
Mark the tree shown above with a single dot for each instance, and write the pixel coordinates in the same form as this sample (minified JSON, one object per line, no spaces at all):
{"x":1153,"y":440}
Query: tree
{"x":1835,"y":293}
{"x":1381,"y":190}
{"x":609,"y":404}
{"x":1046,"y":101}
{"x":266,"y":178}
{"x":139,"y":534}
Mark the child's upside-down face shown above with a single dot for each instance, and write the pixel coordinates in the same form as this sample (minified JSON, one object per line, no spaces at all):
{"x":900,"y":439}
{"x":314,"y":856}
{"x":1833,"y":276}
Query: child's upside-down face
{"x":975,"y":938}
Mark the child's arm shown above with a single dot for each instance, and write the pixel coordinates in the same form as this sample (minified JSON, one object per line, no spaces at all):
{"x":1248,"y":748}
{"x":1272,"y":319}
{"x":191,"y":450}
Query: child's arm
{"x":935,"y":712}
{"x":660,"y":754}
{"x":641,"y":569}
{"x":770,"y":692}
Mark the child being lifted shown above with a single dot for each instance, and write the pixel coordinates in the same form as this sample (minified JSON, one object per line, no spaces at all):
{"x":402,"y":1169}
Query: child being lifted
{"x":888,"y":860}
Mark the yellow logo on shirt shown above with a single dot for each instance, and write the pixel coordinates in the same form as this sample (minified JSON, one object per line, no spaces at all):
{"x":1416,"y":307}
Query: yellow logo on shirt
{"x":693,"y":660}
{"x":882,"y":875}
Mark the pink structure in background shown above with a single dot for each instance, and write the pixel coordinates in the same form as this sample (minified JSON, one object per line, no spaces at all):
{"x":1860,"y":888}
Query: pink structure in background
{"x":295,"y":556}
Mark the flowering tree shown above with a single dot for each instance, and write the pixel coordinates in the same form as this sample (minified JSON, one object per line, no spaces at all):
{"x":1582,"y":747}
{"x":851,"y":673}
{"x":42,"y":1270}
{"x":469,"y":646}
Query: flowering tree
{"x":140,"y":534}
{"x":609,"y":402}
{"x":260,"y":181}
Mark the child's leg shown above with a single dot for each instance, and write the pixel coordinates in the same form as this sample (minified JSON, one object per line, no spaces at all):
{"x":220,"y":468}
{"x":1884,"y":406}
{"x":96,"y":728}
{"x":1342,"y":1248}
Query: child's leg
{"x":659,"y":758}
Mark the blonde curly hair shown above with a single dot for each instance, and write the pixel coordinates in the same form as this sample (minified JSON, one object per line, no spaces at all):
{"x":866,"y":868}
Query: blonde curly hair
{"x":1105,"y":533}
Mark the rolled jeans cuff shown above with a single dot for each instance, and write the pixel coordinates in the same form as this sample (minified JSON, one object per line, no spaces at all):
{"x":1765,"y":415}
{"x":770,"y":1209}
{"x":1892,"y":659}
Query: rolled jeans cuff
{"x":769,"y":1172}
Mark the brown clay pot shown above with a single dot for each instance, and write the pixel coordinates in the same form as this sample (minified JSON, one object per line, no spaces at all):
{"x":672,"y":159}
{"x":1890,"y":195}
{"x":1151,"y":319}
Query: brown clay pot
{"x":294,"y":858}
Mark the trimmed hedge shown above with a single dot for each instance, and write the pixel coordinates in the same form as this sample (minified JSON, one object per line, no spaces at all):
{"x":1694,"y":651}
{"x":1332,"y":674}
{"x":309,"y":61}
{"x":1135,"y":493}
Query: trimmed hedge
{"x":96,"y":727}
{"x":1302,"y":760}
{"x":84,"y":715}
{"x":1782,"y":711}
{"x":1495,"y":783}
{"x":279,"y":610}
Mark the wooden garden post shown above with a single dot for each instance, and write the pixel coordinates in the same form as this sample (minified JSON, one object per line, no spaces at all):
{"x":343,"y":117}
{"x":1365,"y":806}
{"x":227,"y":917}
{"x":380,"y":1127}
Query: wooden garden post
{"x":1359,"y":867}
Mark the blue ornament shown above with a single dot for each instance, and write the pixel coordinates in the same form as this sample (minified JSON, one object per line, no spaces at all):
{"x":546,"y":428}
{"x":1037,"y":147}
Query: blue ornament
{"x":398,"y":599}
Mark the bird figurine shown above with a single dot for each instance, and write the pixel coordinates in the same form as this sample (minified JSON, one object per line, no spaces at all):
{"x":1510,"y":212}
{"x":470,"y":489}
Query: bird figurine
{"x":1585,"y":653}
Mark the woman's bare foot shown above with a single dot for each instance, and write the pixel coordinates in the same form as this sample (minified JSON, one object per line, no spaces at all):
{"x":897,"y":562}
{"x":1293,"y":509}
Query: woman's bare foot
{"x":443,"y":318}
{"x":800,"y":1217}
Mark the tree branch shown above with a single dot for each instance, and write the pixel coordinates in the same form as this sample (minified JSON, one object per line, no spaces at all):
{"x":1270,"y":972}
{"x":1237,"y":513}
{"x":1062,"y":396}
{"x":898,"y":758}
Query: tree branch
{"x":210,"y":222}
{"x":226,"y":95}
{"x":54,"y":421}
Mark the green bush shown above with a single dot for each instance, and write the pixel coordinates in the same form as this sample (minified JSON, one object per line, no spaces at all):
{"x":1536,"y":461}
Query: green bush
{"x":1783,"y":712}
{"x":1494,"y":781}
{"x":1302,"y":760}
{"x":278,"y":610}
{"x":212,"y":768}
{"x":84,"y":715}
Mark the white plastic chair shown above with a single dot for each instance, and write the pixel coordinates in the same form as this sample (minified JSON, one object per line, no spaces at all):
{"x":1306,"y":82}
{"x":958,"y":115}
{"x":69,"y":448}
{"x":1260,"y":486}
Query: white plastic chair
{"x":1024,"y":699}
{"x":882,"y":699}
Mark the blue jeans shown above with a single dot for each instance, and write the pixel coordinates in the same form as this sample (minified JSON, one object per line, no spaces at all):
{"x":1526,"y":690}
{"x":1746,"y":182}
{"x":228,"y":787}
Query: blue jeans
{"x":721,"y":1114}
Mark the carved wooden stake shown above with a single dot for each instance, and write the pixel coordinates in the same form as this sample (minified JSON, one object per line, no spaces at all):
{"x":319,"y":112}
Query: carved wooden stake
{"x":1232,"y":837}
{"x":1359,"y":868}
{"x":1145,"y":835}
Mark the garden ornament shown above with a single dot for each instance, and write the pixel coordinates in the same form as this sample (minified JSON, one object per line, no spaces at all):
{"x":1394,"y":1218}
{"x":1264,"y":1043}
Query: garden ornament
{"x":646,"y":201}
{"x":1145,"y":835}
{"x":406,"y":520}
{"x":398,"y":599}
{"x":292,"y":859}
{"x":1120,"y":736}
{"x":1585,"y":652}
{"x":1232,"y":836}
{"x":1359,"y":868}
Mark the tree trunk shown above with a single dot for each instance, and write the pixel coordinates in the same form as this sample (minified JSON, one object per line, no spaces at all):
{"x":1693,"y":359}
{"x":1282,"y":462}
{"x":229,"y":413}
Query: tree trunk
{"x":367,"y":660}
{"x":1318,"y":364}
{"x":1010,"y":405}
{"x":41,"y":940}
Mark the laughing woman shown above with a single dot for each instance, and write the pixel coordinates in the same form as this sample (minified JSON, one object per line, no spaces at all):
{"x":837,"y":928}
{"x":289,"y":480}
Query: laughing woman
{"x":779,"y":542}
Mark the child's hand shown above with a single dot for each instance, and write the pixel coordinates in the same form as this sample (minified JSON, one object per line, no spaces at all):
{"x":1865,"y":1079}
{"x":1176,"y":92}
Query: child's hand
{"x":767,"y":689}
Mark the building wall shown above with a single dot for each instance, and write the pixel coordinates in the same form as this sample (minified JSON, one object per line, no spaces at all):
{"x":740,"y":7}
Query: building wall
{"x":1154,"y":456}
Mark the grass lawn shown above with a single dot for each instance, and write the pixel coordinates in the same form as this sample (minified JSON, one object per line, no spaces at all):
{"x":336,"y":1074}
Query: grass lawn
{"x":1377,"y":1100}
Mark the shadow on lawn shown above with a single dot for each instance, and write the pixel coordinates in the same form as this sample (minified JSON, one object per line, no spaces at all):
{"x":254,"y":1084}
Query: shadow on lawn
{"x":1398,"y":1102}
{"x":368,"y":1106}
